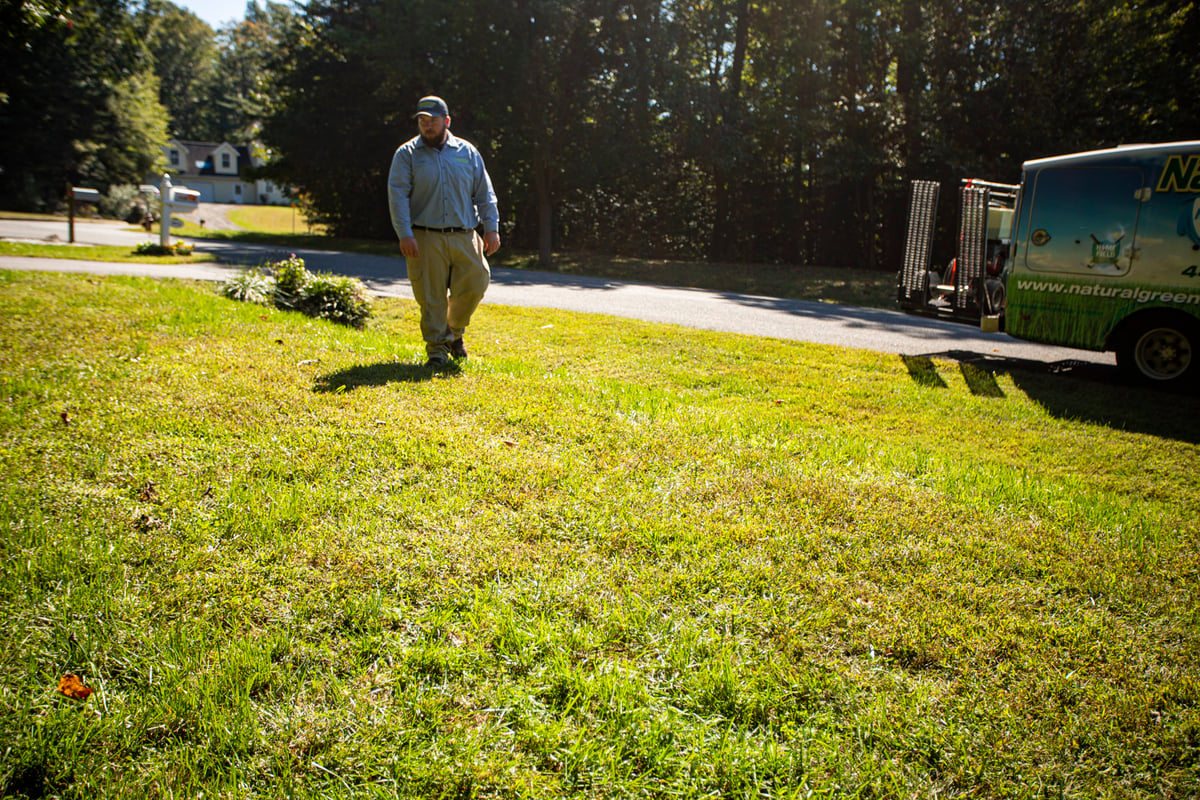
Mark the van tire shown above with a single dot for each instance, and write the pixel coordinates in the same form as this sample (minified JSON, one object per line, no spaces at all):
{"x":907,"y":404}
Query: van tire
{"x":1161,"y":351}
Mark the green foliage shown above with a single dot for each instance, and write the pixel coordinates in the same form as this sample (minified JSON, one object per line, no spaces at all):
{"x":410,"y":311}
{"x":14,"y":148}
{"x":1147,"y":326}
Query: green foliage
{"x":185,"y":57}
{"x":122,"y":201}
{"x":250,"y":286}
{"x":289,"y":285}
{"x":336,"y":298}
{"x":79,"y":102}
{"x":291,"y":277}
{"x":176,"y":248}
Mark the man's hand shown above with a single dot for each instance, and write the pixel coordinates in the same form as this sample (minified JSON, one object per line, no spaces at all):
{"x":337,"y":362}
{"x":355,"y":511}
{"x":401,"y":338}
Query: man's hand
{"x":408,"y":246}
{"x":491,"y":242}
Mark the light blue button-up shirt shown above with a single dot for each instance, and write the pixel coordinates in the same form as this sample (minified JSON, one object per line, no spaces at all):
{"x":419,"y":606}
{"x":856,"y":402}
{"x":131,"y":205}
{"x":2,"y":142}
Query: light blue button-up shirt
{"x":440,"y":188}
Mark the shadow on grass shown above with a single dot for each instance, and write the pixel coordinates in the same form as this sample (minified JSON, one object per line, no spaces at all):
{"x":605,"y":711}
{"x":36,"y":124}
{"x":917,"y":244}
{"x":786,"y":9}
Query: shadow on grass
{"x":1076,"y":390}
{"x":924,"y":372}
{"x":980,"y":381}
{"x":347,"y":380}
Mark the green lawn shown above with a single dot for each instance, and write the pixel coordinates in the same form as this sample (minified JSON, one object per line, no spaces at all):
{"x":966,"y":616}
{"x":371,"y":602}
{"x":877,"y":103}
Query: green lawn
{"x":86,"y":252}
{"x":283,"y":220}
{"x":602,"y":559}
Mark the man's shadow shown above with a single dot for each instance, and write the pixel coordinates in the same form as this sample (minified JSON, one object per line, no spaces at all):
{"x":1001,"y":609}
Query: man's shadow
{"x":347,"y":380}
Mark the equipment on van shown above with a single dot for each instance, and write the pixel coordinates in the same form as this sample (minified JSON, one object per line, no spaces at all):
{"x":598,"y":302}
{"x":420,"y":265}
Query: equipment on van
{"x":1096,"y":250}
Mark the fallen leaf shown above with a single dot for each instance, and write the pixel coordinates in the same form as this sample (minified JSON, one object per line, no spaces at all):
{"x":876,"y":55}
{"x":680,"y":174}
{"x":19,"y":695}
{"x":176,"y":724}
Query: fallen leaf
{"x":510,"y":443}
{"x":147,"y":522}
{"x":72,"y":687}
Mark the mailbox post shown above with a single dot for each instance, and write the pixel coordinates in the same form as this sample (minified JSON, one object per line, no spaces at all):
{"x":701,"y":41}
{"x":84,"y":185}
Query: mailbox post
{"x":174,"y":199}
{"x":78,"y":194}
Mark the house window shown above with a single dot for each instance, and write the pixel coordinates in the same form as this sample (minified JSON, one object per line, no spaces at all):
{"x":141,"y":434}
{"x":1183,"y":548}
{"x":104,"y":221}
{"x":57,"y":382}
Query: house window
{"x":224,"y":160}
{"x":174,"y":157}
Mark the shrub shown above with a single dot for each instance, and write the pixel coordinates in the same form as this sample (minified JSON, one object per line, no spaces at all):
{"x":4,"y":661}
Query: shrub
{"x":336,"y":298}
{"x":290,"y":279}
{"x":250,"y":286}
{"x":290,"y":286}
{"x":156,"y":249}
{"x":122,"y":202}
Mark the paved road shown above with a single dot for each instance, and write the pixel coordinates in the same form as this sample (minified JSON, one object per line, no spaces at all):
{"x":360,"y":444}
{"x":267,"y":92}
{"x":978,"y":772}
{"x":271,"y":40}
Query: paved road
{"x":824,"y":323}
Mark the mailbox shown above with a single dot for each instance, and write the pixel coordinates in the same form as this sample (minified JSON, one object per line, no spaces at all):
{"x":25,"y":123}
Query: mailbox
{"x":176,"y":199}
{"x":183,"y":198}
{"x":78,"y":194}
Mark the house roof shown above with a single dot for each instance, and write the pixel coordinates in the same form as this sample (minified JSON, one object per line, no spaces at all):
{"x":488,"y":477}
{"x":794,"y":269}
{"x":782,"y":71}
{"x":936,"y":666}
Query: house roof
{"x":200,"y":157}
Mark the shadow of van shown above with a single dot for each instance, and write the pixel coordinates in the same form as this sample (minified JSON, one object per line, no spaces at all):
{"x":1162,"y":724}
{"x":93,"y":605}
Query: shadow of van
{"x":1078,"y":390}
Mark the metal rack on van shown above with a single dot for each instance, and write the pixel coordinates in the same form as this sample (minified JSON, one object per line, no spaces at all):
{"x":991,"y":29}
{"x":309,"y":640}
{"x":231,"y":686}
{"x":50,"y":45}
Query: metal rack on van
{"x":968,"y":288}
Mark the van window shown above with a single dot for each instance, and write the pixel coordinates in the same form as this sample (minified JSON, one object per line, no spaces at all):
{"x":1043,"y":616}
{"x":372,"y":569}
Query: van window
{"x":1083,"y":220}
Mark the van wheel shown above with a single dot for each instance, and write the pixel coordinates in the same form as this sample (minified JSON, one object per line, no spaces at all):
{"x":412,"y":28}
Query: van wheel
{"x":1160,"y":352}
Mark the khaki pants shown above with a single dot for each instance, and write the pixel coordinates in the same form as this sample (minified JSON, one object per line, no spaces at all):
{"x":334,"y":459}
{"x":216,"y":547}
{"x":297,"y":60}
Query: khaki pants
{"x":454,"y":264}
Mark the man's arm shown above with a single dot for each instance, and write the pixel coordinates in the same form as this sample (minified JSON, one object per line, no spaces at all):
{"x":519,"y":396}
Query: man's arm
{"x":484,"y":198}
{"x":399,"y":192}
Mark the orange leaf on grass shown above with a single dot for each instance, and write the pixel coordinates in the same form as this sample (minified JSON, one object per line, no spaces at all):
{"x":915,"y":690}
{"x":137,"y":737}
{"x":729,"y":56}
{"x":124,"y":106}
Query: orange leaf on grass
{"x":72,"y":687}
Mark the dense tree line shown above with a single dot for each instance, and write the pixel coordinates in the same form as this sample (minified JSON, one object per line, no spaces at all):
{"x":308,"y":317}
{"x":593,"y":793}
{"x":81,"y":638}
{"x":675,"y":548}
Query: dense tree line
{"x":777,"y":130}
{"x":733,"y":130}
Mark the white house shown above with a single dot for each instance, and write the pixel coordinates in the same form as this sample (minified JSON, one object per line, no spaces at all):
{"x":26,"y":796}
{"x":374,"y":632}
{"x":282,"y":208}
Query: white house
{"x":215,"y":171}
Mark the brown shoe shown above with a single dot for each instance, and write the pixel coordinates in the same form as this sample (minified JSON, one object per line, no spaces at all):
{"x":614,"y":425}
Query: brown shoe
{"x":458,"y":349}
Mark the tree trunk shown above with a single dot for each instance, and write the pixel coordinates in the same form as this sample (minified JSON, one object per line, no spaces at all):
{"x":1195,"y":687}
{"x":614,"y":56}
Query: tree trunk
{"x":545,"y":213}
{"x":722,"y":233}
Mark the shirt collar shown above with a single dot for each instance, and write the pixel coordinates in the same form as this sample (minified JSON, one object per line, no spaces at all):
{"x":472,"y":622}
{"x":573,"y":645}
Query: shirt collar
{"x":452,"y":142}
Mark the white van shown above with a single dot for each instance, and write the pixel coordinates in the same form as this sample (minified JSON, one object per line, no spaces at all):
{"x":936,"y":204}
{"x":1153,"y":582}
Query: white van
{"x":1097,"y":250}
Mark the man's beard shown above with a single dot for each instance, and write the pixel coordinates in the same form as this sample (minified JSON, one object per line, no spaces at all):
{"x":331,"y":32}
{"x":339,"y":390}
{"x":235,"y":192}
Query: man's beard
{"x":436,"y":140}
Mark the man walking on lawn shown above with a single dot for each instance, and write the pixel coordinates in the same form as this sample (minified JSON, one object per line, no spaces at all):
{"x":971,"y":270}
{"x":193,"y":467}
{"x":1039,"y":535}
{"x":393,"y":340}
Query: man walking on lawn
{"x":439,"y":192}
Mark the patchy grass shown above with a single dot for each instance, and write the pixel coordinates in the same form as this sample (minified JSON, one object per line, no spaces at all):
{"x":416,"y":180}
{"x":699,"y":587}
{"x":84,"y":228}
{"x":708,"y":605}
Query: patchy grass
{"x":601,"y":558}
{"x":86,"y":252}
{"x":282,"y":220}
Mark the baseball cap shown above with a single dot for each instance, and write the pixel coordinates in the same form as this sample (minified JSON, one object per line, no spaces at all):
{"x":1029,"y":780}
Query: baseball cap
{"x":432,"y":106}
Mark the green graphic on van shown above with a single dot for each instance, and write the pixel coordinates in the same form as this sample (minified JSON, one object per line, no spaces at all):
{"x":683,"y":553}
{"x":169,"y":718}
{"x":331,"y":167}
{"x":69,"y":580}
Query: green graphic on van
{"x":1180,"y":175}
{"x":1189,"y":221}
{"x":1106,"y":252}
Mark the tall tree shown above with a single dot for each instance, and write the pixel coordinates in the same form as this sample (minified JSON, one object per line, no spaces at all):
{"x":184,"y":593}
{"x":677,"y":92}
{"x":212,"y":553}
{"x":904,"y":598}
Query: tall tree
{"x":241,"y":89}
{"x":76,"y":101}
{"x":185,"y":55}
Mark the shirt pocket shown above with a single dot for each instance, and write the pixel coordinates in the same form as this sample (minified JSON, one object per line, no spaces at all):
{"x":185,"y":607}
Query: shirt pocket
{"x":459,"y":176}
{"x":425,"y":173}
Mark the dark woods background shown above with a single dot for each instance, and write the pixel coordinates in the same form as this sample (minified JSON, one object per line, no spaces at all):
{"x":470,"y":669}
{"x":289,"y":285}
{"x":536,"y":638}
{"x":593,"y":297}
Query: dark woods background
{"x":727,"y":130}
